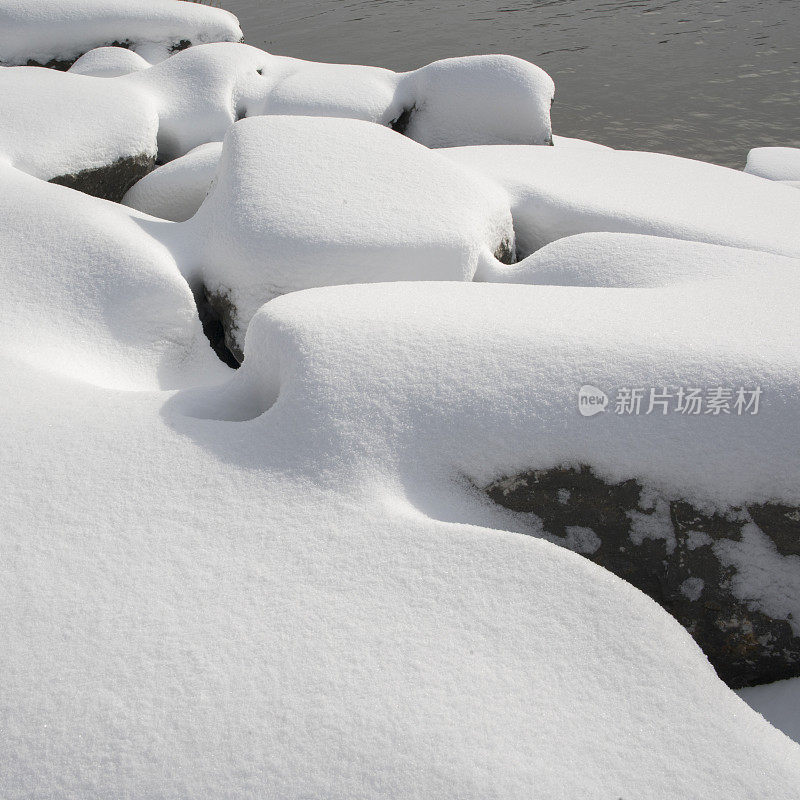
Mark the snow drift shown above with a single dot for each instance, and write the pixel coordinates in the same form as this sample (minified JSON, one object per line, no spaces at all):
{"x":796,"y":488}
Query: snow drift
{"x":557,"y":192}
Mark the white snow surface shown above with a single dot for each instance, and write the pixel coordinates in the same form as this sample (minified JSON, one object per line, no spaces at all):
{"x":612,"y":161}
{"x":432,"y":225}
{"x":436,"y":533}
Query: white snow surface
{"x":558,"y":192}
{"x":176,"y":190}
{"x":300,"y":202}
{"x":290,"y":605}
{"x":281,"y":582}
{"x":109,"y":62}
{"x":89,"y":291}
{"x":43,"y":30}
{"x":777,"y":702}
{"x":58,"y":123}
{"x":490,"y":99}
{"x":73,"y":120}
{"x":774,"y":163}
{"x":634,"y":260}
{"x":473,"y":100}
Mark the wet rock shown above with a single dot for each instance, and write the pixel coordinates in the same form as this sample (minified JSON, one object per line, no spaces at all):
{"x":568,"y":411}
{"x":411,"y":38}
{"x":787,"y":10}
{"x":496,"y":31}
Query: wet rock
{"x":680,"y":557}
{"x":112,"y":181}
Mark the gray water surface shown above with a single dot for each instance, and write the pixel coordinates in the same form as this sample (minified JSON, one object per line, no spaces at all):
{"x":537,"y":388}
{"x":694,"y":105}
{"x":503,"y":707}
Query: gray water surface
{"x":706,"y":79}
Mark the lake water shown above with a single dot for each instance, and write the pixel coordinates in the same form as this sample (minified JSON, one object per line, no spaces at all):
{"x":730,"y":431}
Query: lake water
{"x":707,"y":79}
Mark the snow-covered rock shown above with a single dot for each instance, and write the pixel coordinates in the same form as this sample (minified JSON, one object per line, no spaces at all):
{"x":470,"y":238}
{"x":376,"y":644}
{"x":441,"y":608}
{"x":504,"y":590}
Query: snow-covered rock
{"x":89,"y":292}
{"x":62,"y":125}
{"x":300,"y":202}
{"x":109,"y":62}
{"x":726,"y":576}
{"x":176,"y":190}
{"x":57,"y":32}
{"x":84,"y":132}
{"x":774,"y":163}
{"x":732,"y":579}
{"x":709,"y":528}
{"x":478,"y":99}
{"x":291,"y":604}
{"x":634,"y":260}
{"x":557,"y":192}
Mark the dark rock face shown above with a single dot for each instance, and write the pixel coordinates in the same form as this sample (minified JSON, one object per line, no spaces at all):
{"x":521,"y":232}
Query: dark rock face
{"x":112,"y":181}
{"x":401,"y":123}
{"x":676,"y":554}
{"x":506,"y":252}
{"x":218,"y":317}
{"x":64,"y":64}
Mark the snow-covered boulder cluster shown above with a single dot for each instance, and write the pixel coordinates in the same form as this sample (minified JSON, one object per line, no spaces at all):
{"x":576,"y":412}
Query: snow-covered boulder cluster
{"x":360,"y":565}
{"x":55,"y":33}
{"x":166,"y":109}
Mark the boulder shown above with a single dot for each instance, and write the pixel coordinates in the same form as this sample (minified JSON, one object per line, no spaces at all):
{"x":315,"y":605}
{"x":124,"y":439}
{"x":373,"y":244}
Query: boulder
{"x":54,"y":34}
{"x":88,"y":133}
{"x":719,"y":574}
{"x":301,"y":202}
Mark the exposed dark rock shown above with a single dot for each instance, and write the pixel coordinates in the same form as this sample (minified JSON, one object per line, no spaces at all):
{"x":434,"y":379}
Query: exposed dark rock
{"x":54,"y":63}
{"x":401,"y":123}
{"x":217,"y":316}
{"x":64,"y":64}
{"x":506,"y":253}
{"x":112,"y":181}
{"x":668,"y":549}
{"x":783,"y":524}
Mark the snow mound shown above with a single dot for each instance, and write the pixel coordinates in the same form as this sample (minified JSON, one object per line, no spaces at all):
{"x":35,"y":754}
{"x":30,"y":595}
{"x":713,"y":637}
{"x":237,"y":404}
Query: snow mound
{"x":557,"y":192}
{"x":778,"y":703}
{"x":108,"y":62}
{"x":300,"y":202}
{"x":634,"y":260}
{"x":59,"y":124}
{"x":176,"y":190}
{"x":89,"y":293}
{"x":478,"y":99}
{"x":48,"y":31}
{"x":774,"y":163}
{"x":492,"y":389}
